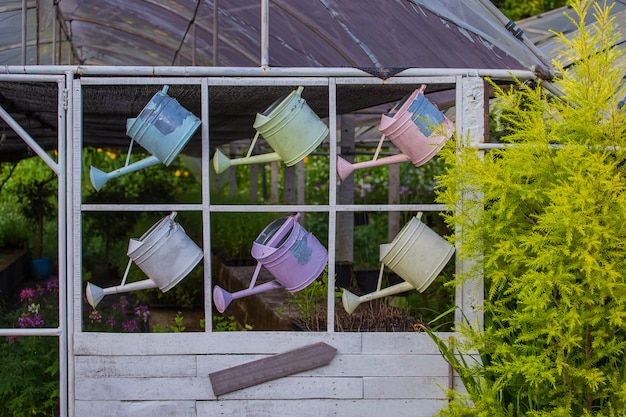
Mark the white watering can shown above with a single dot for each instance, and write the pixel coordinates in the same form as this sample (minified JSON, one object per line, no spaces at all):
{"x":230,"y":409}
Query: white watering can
{"x":163,"y":128}
{"x":291,"y":254}
{"x":417,"y":254}
{"x":164,"y":253}
{"x":415,"y":126}
{"x":289,"y":126}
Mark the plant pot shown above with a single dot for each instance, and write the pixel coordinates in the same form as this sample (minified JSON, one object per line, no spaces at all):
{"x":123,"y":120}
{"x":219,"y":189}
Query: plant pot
{"x":42,"y":268}
{"x":344,"y":273}
{"x":367,"y":281}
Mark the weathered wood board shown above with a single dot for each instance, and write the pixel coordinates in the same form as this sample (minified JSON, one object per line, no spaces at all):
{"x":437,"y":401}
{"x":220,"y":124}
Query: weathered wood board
{"x":270,"y":368}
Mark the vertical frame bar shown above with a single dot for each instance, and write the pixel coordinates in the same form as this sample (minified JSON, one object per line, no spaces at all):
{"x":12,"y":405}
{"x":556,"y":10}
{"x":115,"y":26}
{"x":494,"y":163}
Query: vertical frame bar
{"x":470,"y":108}
{"x":332,"y":202}
{"x":206,"y":209}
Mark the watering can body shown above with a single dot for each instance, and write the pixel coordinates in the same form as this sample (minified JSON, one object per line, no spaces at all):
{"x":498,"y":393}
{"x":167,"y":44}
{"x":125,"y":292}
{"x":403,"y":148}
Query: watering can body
{"x":417,"y":254}
{"x":164,"y":253}
{"x":415,"y":126}
{"x":291,"y":254}
{"x":163,"y":128}
{"x":289,"y":126}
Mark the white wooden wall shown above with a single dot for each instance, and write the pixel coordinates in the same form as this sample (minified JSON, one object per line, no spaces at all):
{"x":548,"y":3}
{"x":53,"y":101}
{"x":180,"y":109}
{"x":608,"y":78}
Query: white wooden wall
{"x":145,"y":375}
{"x":372,"y":374}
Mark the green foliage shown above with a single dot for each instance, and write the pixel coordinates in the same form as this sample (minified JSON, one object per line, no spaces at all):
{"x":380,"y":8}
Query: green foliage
{"x":227,"y":324}
{"x":311,"y":300}
{"x":516,"y":10}
{"x":28,"y":203}
{"x":544,"y":220}
{"x":29,"y":367}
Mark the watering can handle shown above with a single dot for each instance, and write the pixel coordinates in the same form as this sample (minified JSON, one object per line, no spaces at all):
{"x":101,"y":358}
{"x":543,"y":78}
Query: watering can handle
{"x":380,"y":144}
{"x":255,"y":275}
{"x":380,"y":277}
{"x":126,"y":272}
{"x":256,"y":136}
{"x":130,"y":150}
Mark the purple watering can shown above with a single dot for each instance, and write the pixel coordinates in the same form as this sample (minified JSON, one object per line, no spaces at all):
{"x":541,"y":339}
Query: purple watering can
{"x":415,"y":126}
{"x":291,"y":254}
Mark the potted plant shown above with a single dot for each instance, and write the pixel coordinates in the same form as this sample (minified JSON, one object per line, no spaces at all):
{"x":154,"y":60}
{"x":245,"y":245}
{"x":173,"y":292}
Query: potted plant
{"x":35,"y":198}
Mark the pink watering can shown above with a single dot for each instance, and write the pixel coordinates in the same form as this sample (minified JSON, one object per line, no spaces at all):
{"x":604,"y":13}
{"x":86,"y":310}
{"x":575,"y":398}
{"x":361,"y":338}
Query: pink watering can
{"x":289,"y":126}
{"x":164,"y":253}
{"x":291,"y":254}
{"x":415,"y":126}
{"x":417,"y":254}
{"x":163,"y":128}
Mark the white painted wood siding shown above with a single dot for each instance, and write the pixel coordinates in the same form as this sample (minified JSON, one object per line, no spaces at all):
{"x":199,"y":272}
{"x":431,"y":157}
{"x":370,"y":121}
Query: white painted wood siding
{"x":372,"y":374}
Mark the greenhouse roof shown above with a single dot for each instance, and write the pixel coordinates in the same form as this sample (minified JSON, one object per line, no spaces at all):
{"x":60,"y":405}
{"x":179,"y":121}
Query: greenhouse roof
{"x":381,"y":38}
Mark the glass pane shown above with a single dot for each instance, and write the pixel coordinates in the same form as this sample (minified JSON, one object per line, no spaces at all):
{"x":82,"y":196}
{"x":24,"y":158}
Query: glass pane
{"x":157,"y":258}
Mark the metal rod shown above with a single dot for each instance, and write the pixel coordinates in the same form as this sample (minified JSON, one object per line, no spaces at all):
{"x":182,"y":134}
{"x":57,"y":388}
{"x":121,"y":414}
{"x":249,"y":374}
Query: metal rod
{"x":29,"y":140}
{"x":31,"y":332}
{"x":265,"y":37}
{"x":215,"y":31}
{"x":188,"y":71}
{"x":24,"y":29}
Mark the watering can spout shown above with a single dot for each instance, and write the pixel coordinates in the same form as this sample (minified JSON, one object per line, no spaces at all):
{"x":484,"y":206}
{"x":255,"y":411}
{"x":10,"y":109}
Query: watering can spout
{"x":95,"y":294}
{"x":221,"y":162}
{"x":345,"y":168}
{"x":351,"y":302}
{"x":222,"y":298}
{"x":99,"y":178}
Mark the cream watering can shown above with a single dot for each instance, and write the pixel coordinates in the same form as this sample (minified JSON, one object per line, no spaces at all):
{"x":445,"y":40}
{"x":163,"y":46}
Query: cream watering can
{"x":164,"y":253}
{"x":163,"y":128}
{"x":417,"y":254}
{"x":291,"y":254}
{"x":415,"y":126}
{"x":289,"y":126}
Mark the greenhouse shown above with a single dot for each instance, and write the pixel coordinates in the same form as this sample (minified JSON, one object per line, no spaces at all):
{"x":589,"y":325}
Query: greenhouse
{"x":228,"y":208}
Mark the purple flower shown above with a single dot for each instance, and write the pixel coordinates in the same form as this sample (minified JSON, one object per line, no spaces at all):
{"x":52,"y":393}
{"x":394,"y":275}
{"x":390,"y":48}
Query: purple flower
{"x":27,"y":294}
{"x":122,"y":305}
{"x":130,"y":326}
{"x":52,"y":285}
{"x":111,"y":321}
{"x":142,"y":312}
{"x":27,"y":321}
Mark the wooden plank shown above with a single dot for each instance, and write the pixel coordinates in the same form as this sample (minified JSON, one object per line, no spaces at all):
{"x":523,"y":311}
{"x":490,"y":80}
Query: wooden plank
{"x":426,"y":387}
{"x":273,"y":367}
{"x":346,"y":365}
{"x":299,"y":388}
{"x":188,"y":343}
{"x":136,"y":366}
{"x":393,"y":343}
{"x":316,"y":408}
{"x":142,"y":389}
{"x":135,"y":408}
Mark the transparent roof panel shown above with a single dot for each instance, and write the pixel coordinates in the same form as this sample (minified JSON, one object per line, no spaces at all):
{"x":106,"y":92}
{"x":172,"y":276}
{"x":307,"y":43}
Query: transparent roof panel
{"x":380,"y":36}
